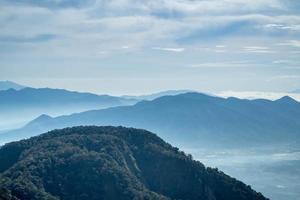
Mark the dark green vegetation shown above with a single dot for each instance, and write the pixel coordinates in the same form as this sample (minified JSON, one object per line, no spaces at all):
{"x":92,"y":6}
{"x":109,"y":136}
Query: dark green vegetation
{"x":109,"y":163}
{"x":192,"y":119}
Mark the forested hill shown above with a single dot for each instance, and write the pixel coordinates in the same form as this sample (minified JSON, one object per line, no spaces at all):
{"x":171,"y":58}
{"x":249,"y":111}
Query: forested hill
{"x":109,"y":163}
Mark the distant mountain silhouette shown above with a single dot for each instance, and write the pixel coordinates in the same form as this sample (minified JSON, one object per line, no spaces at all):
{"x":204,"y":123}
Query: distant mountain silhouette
{"x":25,"y":104}
{"x":296,"y":91}
{"x":191,"y":119}
{"x":153,"y":96}
{"x":5,"y":85}
{"x":52,"y":97}
{"x":287,"y":100}
{"x":109,"y":163}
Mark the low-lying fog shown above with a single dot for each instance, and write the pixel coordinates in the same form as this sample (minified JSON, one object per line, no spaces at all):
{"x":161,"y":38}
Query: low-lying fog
{"x":273,"y":171}
{"x":14,"y":119}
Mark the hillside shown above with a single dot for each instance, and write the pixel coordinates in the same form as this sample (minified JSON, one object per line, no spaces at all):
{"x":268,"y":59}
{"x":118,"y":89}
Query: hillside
{"x":109,"y":163}
{"x":194,"y":119}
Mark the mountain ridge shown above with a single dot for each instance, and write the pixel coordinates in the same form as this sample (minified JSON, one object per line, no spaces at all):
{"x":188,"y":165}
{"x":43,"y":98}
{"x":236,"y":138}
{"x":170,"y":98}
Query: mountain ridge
{"x":5,"y":85}
{"x":153,"y":96}
{"x":20,"y":106}
{"x":191,"y":118}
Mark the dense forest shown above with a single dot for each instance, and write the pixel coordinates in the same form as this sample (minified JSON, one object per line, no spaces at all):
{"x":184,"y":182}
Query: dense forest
{"x":90,"y":162}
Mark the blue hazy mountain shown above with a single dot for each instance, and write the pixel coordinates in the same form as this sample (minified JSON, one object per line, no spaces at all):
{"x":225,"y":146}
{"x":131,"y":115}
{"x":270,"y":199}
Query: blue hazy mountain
{"x":192,"y":118}
{"x":157,"y":95}
{"x":296,"y":91}
{"x":53,"y":97}
{"x":5,"y":85}
{"x":19,"y":106}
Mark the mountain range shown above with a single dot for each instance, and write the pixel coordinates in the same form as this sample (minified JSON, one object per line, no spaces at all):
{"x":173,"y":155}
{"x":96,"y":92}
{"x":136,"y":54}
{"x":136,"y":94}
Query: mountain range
{"x":109,"y":163}
{"x":153,"y":96}
{"x":190,"y":119}
{"x":20,"y":106}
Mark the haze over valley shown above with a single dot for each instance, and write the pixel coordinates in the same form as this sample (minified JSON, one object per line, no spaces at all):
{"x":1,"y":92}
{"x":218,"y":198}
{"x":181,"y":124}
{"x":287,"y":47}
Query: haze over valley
{"x":263,"y":140}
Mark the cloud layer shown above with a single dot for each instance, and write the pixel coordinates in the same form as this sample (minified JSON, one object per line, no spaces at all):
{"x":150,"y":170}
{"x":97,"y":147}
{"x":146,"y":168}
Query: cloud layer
{"x":102,"y":33}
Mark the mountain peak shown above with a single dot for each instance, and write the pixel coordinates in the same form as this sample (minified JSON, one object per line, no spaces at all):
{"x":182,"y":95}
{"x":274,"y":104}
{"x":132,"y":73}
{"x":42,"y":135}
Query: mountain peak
{"x":44,"y":116}
{"x":156,"y":95}
{"x":286,"y":99}
{"x":5,"y":85}
{"x":40,"y":119}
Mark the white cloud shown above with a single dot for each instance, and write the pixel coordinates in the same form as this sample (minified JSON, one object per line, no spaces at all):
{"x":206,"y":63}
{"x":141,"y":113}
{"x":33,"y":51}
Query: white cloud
{"x":292,"y":27}
{"x":177,"y":50}
{"x":220,"y":51}
{"x":223,"y":64}
{"x":284,"y":77}
{"x":203,"y":33}
{"x":293,"y":43}
{"x":217,"y":6}
{"x":281,"y":61}
{"x":250,"y":64}
{"x":140,"y":23}
{"x":257,"y":49}
{"x":250,"y":48}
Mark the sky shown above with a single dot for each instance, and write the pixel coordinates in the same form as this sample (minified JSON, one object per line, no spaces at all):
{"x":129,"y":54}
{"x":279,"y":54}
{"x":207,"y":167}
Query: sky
{"x":142,"y":46}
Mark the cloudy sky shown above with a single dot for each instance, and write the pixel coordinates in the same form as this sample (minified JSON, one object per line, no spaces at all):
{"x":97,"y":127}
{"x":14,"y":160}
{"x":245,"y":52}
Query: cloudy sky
{"x":141,"y":46}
